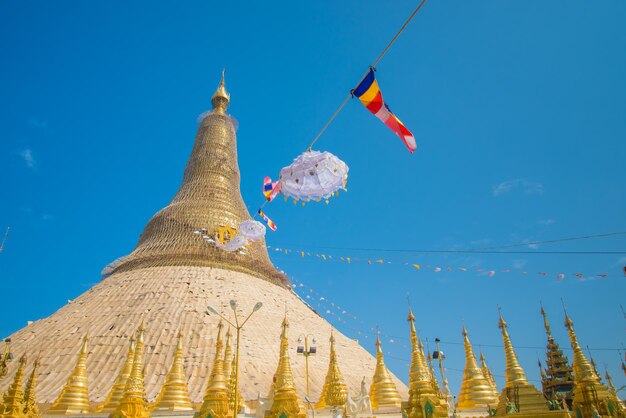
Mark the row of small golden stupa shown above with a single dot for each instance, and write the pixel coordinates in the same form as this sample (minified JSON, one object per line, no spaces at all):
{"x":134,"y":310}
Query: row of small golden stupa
{"x":478,"y":397}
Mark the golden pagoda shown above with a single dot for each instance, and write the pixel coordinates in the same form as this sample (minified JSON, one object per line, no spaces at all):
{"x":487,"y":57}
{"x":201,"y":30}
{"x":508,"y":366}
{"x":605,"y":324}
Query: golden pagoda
{"x":383,"y":392}
{"x":557,"y":379}
{"x":286,"y":403}
{"x":424,"y":401}
{"x":477,"y":395}
{"x":216,"y":398}
{"x":519,"y":396}
{"x":169,"y":278}
{"x":13,"y":400}
{"x":74,"y":398}
{"x":174,"y":395}
{"x":31,"y":409}
{"x":590,"y":396}
{"x":117,"y":391}
{"x":134,"y":403}
{"x":487,"y":373}
{"x":334,"y":392}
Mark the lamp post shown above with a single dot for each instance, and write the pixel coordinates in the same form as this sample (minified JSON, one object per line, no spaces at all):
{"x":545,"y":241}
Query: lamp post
{"x":6,"y":357}
{"x":306,"y":351}
{"x":238,"y":326}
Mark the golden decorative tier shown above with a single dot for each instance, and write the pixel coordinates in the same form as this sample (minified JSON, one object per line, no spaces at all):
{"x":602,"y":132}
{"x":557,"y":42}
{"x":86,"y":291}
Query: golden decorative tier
{"x":117,"y":391}
{"x":31,"y":409}
{"x":13,"y":400}
{"x":216,"y":398}
{"x":334,"y":392}
{"x":174,"y":394}
{"x":383,"y":392}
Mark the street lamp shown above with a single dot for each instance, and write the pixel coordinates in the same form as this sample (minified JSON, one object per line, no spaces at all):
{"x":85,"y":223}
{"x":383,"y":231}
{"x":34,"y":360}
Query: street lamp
{"x":238,"y":327}
{"x":306,"y":351}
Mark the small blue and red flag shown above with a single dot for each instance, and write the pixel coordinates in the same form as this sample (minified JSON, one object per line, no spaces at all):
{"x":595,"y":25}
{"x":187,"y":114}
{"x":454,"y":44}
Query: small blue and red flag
{"x":267,"y":220}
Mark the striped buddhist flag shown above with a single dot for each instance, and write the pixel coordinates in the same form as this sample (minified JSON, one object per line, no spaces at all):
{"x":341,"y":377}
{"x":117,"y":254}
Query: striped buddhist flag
{"x":268,"y":221}
{"x":270,"y":189}
{"x":370,"y":95}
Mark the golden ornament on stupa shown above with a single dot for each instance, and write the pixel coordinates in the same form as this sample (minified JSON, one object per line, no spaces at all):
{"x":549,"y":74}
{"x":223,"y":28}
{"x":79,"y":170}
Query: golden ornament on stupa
{"x":174,"y":395}
{"x":74,"y":397}
{"x":31,"y":409}
{"x":13,"y":400}
{"x":112,"y":400}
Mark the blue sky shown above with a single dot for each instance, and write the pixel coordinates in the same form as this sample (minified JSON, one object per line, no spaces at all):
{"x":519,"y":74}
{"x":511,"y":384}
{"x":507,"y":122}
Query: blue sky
{"x":517,"y":108}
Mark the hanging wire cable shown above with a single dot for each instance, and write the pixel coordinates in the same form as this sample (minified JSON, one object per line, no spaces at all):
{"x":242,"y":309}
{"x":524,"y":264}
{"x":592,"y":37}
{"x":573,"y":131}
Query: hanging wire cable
{"x":382,"y":54}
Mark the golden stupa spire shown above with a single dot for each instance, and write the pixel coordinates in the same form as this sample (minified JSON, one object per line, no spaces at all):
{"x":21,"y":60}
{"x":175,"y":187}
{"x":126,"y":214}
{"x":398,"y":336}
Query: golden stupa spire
{"x":476,"y":390}
{"x":13,"y":400}
{"x":174,"y":395}
{"x":216,"y":397}
{"x":232,"y":389}
{"x":383,"y":392}
{"x":487,"y":373}
{"x":74,"y":397}
{"x":334,"y":392}
{"x":286,"y":401}
{"x":209,"y":201}
{"x":31,"y":409}
{"x":589,"y":393}
{"x":422,"y":394}
{"x":228,"y":357}
{"x":557,"y":381}
{"x":221,"y":98}
{"x":117,"y":391}
{"x":134,"y":403}
{"x":518,"y":394}
{"x":618,"y":402}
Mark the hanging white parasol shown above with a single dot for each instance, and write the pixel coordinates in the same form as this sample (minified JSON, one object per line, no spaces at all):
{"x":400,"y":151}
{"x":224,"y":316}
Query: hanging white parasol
{"x":236,"y":243}
{"x":252,"y":229}
{"x":313,"y":175}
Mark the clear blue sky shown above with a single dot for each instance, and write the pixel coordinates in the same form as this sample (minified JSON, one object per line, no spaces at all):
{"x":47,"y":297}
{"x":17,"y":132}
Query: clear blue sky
{"x":518,"y":109}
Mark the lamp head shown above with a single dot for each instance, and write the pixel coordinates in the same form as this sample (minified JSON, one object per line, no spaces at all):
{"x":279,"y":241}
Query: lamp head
{"x":233,"y":304}
{"x":300,"y":349}
{"x":212,"y":309}
{"x":257,"y":306}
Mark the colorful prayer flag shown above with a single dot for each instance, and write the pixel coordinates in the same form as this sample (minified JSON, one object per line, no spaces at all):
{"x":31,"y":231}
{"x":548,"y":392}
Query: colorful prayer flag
{"x":270,"y":189}
{"x":370,"y":95}
{"x":267,"y":220}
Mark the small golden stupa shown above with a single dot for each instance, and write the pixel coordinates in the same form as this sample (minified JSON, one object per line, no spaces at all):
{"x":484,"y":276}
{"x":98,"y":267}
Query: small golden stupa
{"x":31,"y":409}
{"x":383,"y":392}
{"x":13,"y":400}
{"x":477,"y":394}
{"x":74,"y":397}
{"x":424,"y":399}
{"x":487,"y":373}
{"x":519,"y":396}
{"x":334,"y":392}
{"x":174,"y":395}
{"x":286,"y":403}
{"x":117,"y":391}
{"x":216,"y":398}
{"x":134,"y":403}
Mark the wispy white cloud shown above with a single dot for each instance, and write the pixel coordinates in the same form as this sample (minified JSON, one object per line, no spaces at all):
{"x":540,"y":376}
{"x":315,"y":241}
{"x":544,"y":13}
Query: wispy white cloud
{"x":546,"y":222}
{"x":27,"y":156}
{"x":518,"y":264}
{"x":528,"y":187}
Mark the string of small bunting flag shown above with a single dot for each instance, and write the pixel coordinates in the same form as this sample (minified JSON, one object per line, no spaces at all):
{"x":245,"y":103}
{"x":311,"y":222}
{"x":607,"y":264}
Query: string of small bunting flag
{"x":434,"y":268}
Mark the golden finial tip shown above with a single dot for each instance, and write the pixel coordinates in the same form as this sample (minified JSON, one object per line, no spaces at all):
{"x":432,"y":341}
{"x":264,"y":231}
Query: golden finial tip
{"x":464,"y":331}
{"x":221,"y":98}
{"x":411,"y":317}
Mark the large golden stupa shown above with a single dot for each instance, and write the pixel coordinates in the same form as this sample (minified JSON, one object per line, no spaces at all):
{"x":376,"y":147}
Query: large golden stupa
{"x":166,"y":282}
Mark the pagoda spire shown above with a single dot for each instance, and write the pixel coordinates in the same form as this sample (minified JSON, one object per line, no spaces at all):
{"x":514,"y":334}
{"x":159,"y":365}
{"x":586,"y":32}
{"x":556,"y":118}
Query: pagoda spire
{"x":487,"y":373}
{"x":31,"y":409}
{"x":209,"y":198}
{"x":112,"y":401}
{"x":13,"y":400}
{"x":334,"y":392}
{"x":557,"y":380}
{"x":285,"y":400}
{"x":423,"y":399}
{"x":589,"y":394}
{"x":134,"y":403}
{"x":619,"y":403}
{"x":74,"y":397}
{"x":476,"y":391}
{"x":383,"y":392}
{"x":174,"y":394}
{"x":215,"y":402}
{"x":518,"y":394}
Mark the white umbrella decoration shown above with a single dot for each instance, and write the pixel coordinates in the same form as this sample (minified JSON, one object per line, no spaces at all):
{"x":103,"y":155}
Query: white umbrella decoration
{"x":236,"y":243}
{"x":251,"y":229}
{"x":313,"y":175}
